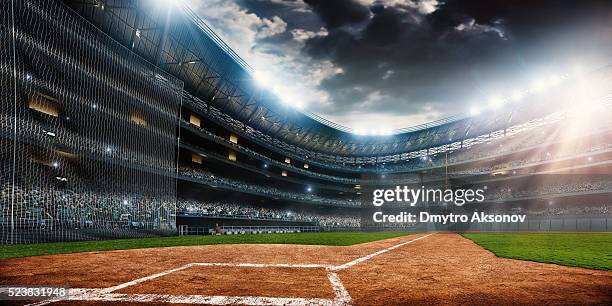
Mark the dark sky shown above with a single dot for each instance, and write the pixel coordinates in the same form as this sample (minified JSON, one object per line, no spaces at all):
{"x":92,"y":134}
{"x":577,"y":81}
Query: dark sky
{"x":396,"y":63}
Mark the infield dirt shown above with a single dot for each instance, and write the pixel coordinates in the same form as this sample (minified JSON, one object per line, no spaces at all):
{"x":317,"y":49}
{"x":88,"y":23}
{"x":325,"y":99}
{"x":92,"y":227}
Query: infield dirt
{"x":439,"y":269}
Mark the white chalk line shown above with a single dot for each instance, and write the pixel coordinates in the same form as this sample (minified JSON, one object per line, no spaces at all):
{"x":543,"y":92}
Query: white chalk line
{"x":101,"y":295}
{"x":251,"y":265}
{"x":214,"y":264}
{"x":342,"y":297}
{"x":144,"y":279}
{"x":367,"y":257}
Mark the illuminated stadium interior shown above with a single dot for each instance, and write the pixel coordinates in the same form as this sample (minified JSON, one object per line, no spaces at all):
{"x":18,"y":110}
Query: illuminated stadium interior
{"x":140,"y":121}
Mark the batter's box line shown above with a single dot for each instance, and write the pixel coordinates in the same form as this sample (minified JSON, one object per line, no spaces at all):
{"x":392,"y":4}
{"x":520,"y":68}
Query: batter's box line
{"x":106,"y":294}
{"x":342,"y":296}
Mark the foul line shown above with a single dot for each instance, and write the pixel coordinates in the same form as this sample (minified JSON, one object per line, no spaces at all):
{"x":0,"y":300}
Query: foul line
{"x":144,"y":279}
{"x":342,"y":297}
{"x":362,"y":259}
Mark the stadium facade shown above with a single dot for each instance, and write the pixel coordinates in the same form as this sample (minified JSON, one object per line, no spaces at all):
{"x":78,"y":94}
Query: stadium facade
{"x":132,"y":118}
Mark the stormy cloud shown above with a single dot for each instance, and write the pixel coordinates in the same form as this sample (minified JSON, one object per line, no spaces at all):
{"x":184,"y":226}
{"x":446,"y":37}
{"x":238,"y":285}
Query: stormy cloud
{"x":404,"y":62}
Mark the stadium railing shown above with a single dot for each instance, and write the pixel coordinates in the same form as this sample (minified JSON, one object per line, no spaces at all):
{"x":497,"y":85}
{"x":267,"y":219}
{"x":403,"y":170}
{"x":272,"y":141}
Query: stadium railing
{"x":237,"y":230}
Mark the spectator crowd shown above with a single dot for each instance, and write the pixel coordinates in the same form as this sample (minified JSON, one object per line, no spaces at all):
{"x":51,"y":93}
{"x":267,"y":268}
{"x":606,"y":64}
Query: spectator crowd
{"x":249,"y":211}
{"x":216,"y":180}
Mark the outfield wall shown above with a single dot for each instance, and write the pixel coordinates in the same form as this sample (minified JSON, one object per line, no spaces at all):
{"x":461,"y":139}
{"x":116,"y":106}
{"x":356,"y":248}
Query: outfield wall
{"x":210,"y":221}
{"x":552,"y":224}
{"x":533,"y":224}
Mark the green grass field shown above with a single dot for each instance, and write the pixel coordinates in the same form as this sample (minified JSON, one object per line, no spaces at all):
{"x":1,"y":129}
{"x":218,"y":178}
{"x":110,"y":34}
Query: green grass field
{"x":586,"y":250}
{"x":324,"y":238}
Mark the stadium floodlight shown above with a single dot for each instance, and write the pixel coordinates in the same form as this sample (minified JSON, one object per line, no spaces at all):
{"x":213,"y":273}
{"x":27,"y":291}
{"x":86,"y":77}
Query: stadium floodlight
{"x":475,"y":110}
{"x":495,"y":102}
{"x":542,"y":84}
{"x":360,"y":132}
{"x":95,"y":106}
{"x":287,"y":97}
{"x":578,"y":71}
{"x":298,"y":105}
{"x":55,"y":164}
{"x":265,"y":165}
{"x":554,"y":80}
{"x":309,"y":189}
{"x":517,"y":96}
{"x":539,"y":85}
{"x":108,"y":149}
{"x":284,"y":95}
{"x":262,"y":79}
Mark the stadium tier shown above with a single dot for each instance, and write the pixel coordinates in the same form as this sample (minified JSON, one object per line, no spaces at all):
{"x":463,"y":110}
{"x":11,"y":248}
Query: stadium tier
{"x":125,"y":119}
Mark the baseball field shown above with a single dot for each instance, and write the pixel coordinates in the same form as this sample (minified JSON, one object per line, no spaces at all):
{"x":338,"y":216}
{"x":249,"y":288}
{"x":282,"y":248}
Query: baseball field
{"x":385,"y":268}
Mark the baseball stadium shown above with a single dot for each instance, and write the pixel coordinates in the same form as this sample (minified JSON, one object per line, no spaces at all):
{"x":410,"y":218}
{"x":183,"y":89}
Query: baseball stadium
{"x":145,"y":162}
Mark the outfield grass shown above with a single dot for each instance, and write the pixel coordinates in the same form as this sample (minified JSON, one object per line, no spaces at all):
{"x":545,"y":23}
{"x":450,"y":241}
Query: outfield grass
{"x":323,"y":238}
{"x":586,"y":250}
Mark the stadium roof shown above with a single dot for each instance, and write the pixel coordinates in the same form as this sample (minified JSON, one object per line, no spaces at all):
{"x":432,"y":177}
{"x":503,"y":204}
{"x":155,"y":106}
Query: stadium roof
{"x":180,"y":43}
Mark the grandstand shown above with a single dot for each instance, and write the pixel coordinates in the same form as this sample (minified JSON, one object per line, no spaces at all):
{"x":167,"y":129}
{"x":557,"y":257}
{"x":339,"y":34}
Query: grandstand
{"x":126,"y":119}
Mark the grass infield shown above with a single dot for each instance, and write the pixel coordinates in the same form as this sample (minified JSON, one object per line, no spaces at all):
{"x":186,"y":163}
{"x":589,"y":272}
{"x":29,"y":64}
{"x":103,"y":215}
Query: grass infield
{"x":323,"y":238}
{"x":585,"y":250}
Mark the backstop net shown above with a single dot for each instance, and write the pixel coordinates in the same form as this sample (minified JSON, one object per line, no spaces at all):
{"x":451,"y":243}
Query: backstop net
{"x":88,"y":131}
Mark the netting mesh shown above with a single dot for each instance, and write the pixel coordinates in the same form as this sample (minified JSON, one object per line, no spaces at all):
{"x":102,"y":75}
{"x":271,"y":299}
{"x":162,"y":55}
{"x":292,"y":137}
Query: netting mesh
{"x":89,"y":135}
